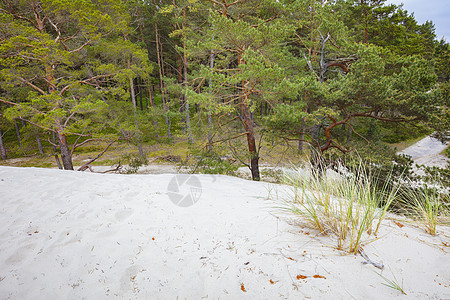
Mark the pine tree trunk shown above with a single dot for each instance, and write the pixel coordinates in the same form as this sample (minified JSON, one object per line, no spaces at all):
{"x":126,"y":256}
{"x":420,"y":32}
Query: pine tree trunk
{"x":54,"y":141}
{"x":168,"y":120}
{"x":38,"y":140}
{"x":211,"y":65}
{"x":66,"y":157}
{"x":316,"y":158}
{"x":58,"y":162}
{"x":2,"y":147}
{"x":301,"y":138}
{"x":300,"y":143}
{"x":247,"y":122}
{"x":152,"y":104}
{"x":150,"y":92}
{"x":161,"y":84}
{"x":139,"y":86}
{"x":186,"y":103}
{"x":133,"y":99}
{"x":251,"y":141}
{"x":186,"y":108}
{"x":19,"y":139}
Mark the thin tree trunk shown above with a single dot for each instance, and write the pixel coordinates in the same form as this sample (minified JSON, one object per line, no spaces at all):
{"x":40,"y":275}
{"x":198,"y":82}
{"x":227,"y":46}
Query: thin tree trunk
{"x":169,"y":121}
{"x":161,"y":84}
{"x":316,"y":159}
{"x":19,"y":139}
{"x":248,"y":127}
{"x":152,"y":104}
{"x":186,"y":103}
{"x":54,"y":141}
{"x":39,"y":143}
{"x":349,"y":134}
{"x":139,"y":86}
{"x":2,"y":147}
{"x":211,"y":65}
{"x":247,"y":122}
{"x":150,"y":92}
{"x":366,"y":31}
{"x":300,"y":143}
{"x":151,"y":95}
{"x":133,"y":99}
{"x":58,"y":162}
{"x":302,"y":137}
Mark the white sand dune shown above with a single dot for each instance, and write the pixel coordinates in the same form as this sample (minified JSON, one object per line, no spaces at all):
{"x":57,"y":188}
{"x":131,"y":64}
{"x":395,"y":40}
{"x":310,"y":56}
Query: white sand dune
{"x":73,"y":235}
{"x":427,"y":152}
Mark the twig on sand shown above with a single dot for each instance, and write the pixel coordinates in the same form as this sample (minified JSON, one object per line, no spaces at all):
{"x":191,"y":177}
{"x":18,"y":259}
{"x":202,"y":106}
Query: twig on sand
{"x":369,"y":261}
{"x":116,"y":169}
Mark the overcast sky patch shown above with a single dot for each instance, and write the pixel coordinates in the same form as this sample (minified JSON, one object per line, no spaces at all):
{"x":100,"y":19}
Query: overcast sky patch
{"x":437,"y":11}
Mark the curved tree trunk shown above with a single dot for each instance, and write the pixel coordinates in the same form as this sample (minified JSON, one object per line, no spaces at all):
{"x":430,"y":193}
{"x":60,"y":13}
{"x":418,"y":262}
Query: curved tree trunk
{"x":252,"y":149}
{"x":66,"y":157}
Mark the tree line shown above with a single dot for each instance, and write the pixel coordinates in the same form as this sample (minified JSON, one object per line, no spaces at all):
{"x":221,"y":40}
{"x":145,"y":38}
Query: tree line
{"x":327,"y":74}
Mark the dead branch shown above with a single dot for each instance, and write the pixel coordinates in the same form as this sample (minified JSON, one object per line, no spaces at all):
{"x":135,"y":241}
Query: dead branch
{"x":32,"y":85}
{"x":51,"y":143}
{"x":75,"y":145}
{"x":37,"y":125}
{"x":116,"y":169}
{"x":86,"y":165}
{"x":233,"y":149}
{"x":355,"y":132}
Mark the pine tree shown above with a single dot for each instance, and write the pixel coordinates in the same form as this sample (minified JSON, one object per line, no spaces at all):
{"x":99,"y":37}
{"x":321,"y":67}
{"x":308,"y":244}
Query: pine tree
{"x":69,"y":57}
{"x":247,"y":40}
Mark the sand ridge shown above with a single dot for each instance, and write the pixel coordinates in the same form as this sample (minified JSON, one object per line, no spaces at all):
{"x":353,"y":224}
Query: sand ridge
{"x":73,"y":235}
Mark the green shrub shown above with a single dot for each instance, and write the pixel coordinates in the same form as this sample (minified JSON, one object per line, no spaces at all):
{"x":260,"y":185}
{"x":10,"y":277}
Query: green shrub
{"x":272,"y":175}
{"x":208,"y":162}
{"x":132,"y":162}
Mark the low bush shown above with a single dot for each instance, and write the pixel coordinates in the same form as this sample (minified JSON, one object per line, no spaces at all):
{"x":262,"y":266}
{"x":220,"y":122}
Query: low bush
{"x":208,"y":162}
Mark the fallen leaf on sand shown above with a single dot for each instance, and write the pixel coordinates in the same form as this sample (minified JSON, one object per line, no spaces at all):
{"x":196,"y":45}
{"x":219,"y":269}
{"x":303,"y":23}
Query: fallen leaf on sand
{"x":318,"y":276}
{"x":301,"y":277}
{"x":398,"y":224}
{"x":271,"y":281}
{"x":291,"y":258}
{"x":243,"y":288}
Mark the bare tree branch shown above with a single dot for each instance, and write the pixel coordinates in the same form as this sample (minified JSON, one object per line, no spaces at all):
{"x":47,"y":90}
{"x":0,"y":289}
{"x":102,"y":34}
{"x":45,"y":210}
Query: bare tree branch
{"x":32,"y":85}
{"x":86,"y":165}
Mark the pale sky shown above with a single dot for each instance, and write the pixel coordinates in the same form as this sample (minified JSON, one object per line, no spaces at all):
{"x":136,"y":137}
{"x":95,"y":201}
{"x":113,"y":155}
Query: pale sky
{"x":437,"y":11}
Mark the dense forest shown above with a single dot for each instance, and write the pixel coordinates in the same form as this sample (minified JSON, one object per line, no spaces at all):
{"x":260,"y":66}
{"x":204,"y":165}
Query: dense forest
{"x":321,"y":79}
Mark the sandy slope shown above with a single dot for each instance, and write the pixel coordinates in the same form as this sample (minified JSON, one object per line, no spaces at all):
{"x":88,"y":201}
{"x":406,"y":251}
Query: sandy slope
{"x":72,"y":235}
{"x":427,"y":152}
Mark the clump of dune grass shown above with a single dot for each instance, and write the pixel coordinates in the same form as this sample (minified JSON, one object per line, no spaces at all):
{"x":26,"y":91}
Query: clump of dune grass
{"x":349,"y":206}
{"x":392,"y":283}
{"x":429,"y":205}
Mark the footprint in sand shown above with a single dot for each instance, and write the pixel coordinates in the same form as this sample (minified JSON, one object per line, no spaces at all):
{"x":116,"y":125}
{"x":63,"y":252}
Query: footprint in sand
{"x":123,"y":215}
{"x":21,"y":254}
{"x":128,"y":279}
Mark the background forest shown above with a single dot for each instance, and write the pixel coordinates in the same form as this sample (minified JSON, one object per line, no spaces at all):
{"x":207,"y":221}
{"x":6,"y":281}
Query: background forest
{"x":218,"y":84}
